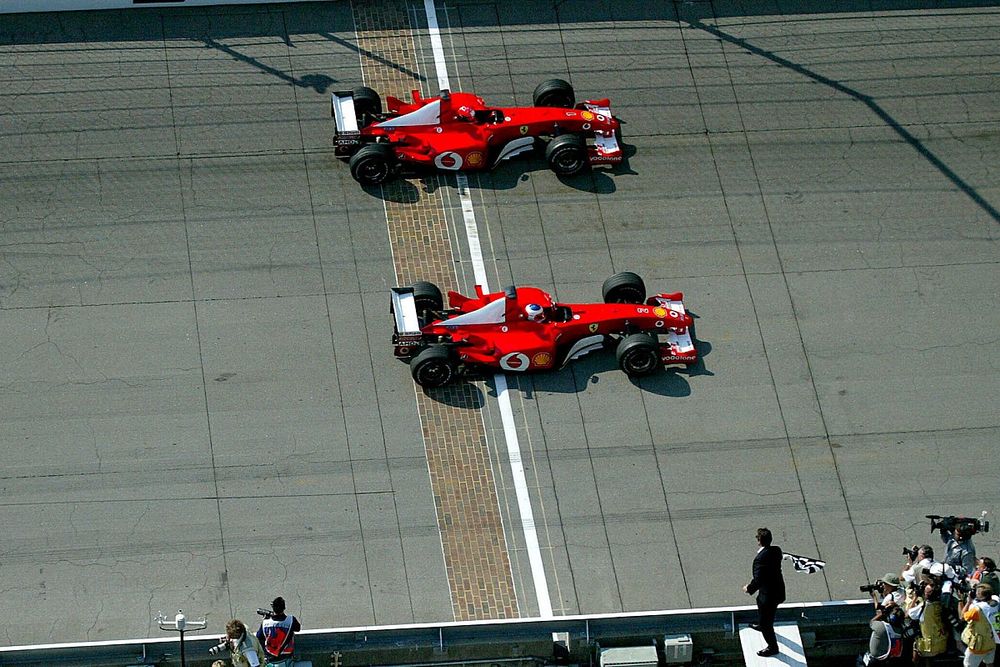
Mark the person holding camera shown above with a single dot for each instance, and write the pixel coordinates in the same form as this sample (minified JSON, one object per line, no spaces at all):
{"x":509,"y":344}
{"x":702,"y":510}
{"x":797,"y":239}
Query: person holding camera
{"x":979,"y":636}
{"x":886,"y":642}
{"x":890,"y":591}
{"x":925,"y":608}
{"x":277,"y":633}
{"x":986,"y":573}
{"x":959,"y":550}
{"x":243,"y":647}
{"x":918,"y":561}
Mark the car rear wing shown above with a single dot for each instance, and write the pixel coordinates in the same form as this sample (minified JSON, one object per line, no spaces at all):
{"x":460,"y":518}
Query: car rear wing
{"x":348,"y":135}
{"x":404,"y":309}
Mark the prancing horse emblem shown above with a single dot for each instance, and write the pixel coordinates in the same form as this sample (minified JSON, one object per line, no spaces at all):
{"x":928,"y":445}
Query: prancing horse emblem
{"x":524,"y":129}
{"x":593,"y":327}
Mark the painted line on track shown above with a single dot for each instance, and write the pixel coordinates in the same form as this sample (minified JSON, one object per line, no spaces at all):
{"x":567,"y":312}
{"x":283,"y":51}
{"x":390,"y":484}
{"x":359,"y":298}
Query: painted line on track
{"x":500,"y":381}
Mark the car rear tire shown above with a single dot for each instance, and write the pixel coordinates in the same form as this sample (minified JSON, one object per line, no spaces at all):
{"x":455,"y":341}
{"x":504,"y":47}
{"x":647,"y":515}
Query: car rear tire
{"x":427,"y":298}
{"x":367,"y":103}
{"x":624,"y":287}
{"x":433,"y":367}
{"x":638,"y":354}
{"x":373,"y":164}
{"x":567,"y":155}
{"x":554,"y":93}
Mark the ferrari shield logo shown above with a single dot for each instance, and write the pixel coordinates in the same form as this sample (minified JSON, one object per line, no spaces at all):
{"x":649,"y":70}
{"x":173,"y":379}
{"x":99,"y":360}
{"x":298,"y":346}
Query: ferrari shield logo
{"x":523,"y":129}
{"x":593,"y":327}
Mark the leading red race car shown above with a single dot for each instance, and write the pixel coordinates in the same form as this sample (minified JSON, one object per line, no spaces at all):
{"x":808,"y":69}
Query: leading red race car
{"x":454,"y":131}
{"x":523,"y":329}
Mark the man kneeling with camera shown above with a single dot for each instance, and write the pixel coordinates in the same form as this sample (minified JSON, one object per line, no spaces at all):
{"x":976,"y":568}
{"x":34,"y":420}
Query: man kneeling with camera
{"x":242,"y":646}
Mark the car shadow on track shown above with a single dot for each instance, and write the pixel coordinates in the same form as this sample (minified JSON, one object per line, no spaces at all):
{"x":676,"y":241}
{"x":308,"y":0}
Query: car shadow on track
{"x":408,"y":188}
{"x":581,"y":374}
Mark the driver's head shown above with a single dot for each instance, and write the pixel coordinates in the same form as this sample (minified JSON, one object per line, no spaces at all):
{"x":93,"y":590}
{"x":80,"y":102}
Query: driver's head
{"x":534,"y":312}
{"x":464,"y":112}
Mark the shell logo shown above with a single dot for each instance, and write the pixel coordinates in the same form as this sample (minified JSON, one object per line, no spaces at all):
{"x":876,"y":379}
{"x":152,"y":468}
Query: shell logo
{"x":586,"y":115}
{"x":474,"y":159}
{"x":449,"y":160}
{"x":542,"y":359}
{"x":514,"y":361}
{"x":660,"y":311}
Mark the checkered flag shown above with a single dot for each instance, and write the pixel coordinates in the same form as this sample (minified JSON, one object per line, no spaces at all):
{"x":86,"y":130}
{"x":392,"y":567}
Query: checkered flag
{"x":805,"y":564}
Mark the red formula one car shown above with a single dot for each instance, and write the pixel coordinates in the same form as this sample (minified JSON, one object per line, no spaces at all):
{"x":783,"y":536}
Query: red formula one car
{"x":523,"y":329}
{"x":456,"y":131}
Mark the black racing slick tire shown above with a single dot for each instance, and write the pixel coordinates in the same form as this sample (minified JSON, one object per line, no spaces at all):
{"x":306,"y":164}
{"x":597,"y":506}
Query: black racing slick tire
{"x":554,"y":93}
{"x":427,"y":298}
{"x":373,"y":164}
{"x":638,"y":354}
{"x":624,"y":287}
{"x":367,"y":103}
{"x":567,"y":155}
{"x":433,"y":367}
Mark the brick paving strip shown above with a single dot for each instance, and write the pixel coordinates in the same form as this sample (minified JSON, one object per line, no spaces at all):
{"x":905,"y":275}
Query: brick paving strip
{"x":458,"y":458}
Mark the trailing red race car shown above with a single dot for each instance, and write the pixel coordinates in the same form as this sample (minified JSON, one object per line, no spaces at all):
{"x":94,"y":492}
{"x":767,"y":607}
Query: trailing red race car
{"x":454,"y":131}
{"x":523,"y":329}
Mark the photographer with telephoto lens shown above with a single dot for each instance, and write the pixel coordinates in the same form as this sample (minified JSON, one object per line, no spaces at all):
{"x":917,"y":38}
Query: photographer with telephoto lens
{"x":244,"y":649}
{"x":885,"y":646}
{"x":277,"y":633}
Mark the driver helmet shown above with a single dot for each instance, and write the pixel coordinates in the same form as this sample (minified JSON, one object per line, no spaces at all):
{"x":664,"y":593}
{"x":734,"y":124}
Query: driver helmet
{"x":465,"y":112}
{"x":534,"y":312}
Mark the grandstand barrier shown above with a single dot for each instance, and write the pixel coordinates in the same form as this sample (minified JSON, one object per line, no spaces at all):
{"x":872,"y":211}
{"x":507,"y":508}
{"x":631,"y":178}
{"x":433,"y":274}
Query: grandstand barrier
{"x":831,"y":631}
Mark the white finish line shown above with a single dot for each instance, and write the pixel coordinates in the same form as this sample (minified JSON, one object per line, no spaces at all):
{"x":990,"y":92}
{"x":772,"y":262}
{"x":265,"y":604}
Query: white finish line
{"x":500,"y":381}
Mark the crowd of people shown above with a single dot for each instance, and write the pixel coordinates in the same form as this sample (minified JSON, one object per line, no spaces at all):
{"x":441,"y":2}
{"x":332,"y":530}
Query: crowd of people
{"x":937,"y":605}
{"x":272,"y":644}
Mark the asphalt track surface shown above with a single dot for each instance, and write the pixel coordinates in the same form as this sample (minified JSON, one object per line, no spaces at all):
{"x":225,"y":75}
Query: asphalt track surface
{"x":198,"y":404}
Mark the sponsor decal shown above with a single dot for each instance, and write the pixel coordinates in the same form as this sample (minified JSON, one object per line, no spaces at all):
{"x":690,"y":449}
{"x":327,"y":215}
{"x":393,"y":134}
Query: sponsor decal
{"x":542,"y":359}
{"x":660,"y":311}
{"x":514,"y":361}
{"x":449,"y":160}
{"x":571,"y":114}
{"x":474,"y":159}
{"x":593,"y":327}
{"x":604,"y":157}
{"x":523,"y":129}
{"x":586,"y":115}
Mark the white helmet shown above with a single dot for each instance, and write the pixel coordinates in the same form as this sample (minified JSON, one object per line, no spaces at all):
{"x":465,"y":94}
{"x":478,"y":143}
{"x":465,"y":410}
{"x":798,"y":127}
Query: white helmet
{"x":534,"y":312}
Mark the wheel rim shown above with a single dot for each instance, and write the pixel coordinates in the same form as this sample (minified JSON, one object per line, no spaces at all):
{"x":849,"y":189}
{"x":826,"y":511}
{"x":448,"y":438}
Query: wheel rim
{"x":640,"y":361}
{"x":373,"y":170}
{"x":568,"y":161}
{"x":433,"y":373}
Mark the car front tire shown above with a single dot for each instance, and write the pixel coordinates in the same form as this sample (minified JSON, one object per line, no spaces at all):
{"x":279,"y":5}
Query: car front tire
{"x":567,"y":155}
{"x":638,"y":354}
{"x":624,"y":287}
{"x":554,"y":93}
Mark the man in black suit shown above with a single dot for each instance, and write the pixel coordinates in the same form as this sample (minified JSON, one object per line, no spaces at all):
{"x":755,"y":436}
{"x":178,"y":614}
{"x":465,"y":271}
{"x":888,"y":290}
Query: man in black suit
{"x":769,"y":586}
